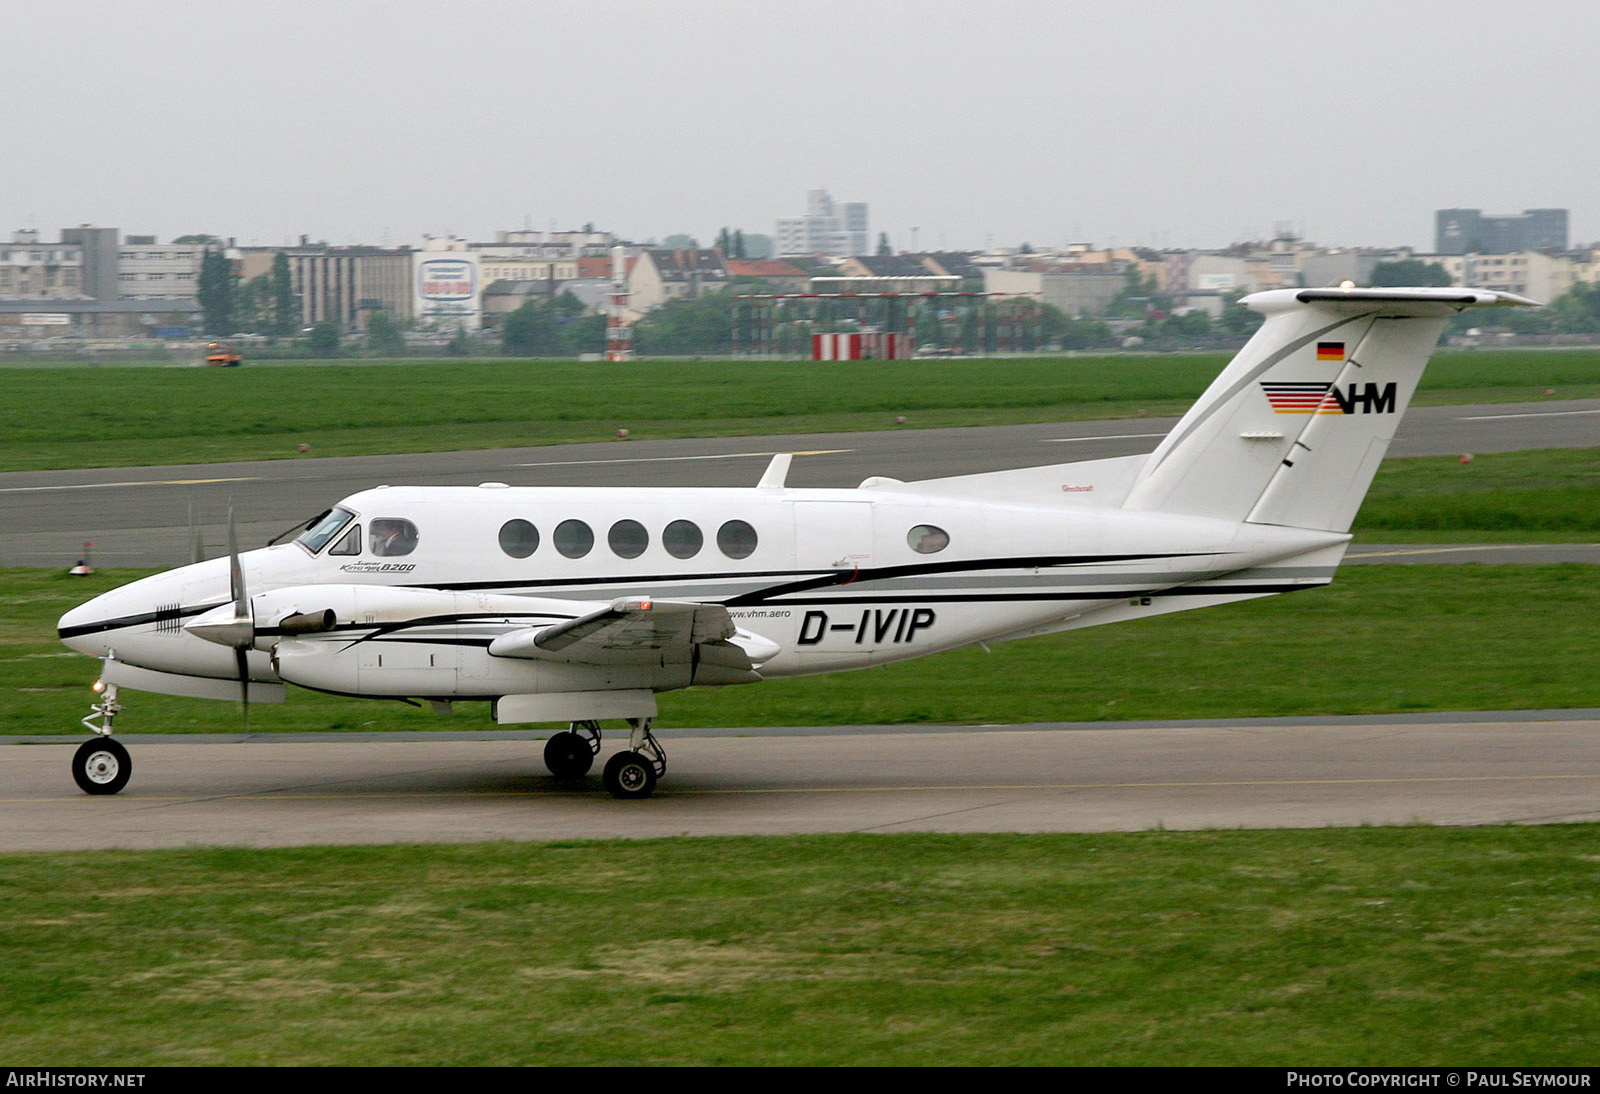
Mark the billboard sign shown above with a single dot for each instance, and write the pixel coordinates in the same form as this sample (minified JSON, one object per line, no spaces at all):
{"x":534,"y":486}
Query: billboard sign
{"x":446,"y":280}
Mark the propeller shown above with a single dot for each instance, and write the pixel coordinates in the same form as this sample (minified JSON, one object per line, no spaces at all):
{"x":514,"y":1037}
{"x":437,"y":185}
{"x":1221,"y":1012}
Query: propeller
{"x":241,"y":615}
{"x":197,"y":549}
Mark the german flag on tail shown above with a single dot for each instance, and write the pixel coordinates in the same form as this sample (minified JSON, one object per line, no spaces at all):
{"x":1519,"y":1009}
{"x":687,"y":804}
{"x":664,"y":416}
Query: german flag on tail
{"x":1330,"y":351}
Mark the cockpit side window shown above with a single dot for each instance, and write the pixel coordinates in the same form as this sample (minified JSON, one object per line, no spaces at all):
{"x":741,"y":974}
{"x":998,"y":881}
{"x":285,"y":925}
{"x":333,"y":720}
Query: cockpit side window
{"x":349,"y":543}
{"x":317,"y":536}
{"x":391,"y":537}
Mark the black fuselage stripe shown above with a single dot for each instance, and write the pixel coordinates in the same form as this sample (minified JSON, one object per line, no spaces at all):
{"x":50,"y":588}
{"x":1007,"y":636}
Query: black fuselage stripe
{"x":142,"y":619}
{"x":801,"y":581}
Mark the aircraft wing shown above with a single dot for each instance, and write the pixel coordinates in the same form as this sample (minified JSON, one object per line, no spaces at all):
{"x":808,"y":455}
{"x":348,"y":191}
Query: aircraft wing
{"x":641,"y":630}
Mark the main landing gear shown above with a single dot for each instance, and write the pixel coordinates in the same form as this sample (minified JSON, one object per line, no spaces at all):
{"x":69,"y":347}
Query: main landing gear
{"x":570,"y":754}
{"x":631,"y":773}
{"x":101,"y":765}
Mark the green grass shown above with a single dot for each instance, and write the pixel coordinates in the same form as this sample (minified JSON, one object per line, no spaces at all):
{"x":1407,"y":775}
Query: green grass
{"x":1382,"y":639}
{"x":96,"y":417}
{"x":1401,"y":946}
{"x":1540,"y":495}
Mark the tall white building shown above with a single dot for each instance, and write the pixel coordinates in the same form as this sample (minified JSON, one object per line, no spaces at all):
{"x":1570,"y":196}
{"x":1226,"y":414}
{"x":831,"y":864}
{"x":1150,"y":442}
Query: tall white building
{"x":29,"y":268}
{"x":828,"y":227}
{"x":147,"y":270}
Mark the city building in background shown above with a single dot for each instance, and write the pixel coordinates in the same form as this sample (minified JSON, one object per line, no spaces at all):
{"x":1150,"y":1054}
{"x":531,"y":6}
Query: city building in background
{"x":1457,"y":231}
{"x":683,"y":273}
{"x":827,"y":228}
{"x":147,"y":270}
{"x":448,"y":284}
{"x":98,"y":247}
{"x":32,"y":269}
{"x":341,"y":285}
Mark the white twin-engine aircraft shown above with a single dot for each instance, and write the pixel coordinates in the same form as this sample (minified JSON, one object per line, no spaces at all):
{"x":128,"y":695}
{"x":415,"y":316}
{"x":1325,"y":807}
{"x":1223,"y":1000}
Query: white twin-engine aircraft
{"x":576,"y":605}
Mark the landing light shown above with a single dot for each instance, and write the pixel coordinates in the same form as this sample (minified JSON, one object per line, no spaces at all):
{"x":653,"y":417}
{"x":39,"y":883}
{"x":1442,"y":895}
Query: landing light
{"x":1347,"y":285}
{"x":98,"y":686}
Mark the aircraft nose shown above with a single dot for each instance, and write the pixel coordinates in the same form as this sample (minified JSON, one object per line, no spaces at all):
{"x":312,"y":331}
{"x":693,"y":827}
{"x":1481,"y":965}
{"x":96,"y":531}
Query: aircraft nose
{"x":83,"y":628}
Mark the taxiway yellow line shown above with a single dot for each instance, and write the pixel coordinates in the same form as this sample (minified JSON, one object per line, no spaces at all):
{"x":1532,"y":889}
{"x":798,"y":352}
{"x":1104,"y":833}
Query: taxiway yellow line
{"x":131,"y":482}
{"x":921,"y":789}
{"x":1451,"y":550}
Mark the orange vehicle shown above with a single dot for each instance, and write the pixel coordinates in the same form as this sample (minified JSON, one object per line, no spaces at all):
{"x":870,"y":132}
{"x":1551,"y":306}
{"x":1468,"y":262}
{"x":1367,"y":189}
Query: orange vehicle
{"x":220,"y":353}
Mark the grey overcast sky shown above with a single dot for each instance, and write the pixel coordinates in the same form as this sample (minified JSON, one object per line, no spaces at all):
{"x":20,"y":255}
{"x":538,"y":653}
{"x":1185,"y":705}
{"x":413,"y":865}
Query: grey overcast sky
{"x":1166,"y":124}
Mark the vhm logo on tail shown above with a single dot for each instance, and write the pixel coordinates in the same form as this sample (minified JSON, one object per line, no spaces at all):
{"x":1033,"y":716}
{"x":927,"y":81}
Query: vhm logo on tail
{"x":1322,"y":398}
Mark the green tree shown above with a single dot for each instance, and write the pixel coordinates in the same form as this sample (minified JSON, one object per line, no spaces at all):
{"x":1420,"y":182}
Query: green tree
{"x":1575,"y":312}
{"x":1081,"y":334}
{"x":679,"y":240}
{"x":383,"y":335}
{"x":212,"y":241}
{"x":530,"y":331}
{"x":1138,"y":296}
{"x":1410,"y":273}
{"x":217,"y":294}
{"x":552,"y":328}
{"x":679,"y":327}
{"x":324,"y":340}
{"x":1237,"y":319}
{"x":252,"y":305}
{"x":883,"y":244}
{"x":738,"y":243}
{"x":285,"y":307}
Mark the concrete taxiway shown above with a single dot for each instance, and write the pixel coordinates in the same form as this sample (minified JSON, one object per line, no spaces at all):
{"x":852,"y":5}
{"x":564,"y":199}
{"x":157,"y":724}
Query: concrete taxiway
{"x":140,"y":516}
{"x":1529,"y":767}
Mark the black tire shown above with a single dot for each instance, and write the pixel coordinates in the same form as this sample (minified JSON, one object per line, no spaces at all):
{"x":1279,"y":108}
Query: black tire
{"x":101,"y":766}
{"x":630,"y":775}
{"x":568,"y":755}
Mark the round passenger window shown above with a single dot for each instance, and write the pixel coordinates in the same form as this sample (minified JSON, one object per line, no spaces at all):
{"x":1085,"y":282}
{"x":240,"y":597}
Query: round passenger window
{"x":391,"y":537}
{"x":925,"y":539}
{"x":736,"y":539}
{"x":682,"y":539}
{"x":574,"y":538}
{"x":518,"y":538}
{"x":628,"y":538}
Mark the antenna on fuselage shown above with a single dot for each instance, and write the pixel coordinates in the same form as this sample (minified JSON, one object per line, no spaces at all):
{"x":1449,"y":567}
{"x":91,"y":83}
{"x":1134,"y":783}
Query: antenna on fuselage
{"x":777,"y":472}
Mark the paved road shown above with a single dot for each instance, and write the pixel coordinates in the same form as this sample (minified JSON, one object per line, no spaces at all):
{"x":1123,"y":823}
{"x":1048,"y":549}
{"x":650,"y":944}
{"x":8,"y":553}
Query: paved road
{"x":140,"y":516}
{"x":1089,"y":778}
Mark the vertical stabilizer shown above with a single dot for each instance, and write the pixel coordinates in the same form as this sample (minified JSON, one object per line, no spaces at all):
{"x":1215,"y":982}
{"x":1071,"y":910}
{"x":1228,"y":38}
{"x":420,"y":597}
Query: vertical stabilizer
{"x":1292,"y":431}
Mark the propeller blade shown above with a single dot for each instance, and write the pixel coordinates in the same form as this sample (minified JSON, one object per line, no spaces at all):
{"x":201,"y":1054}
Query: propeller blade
{"x":241,"y":659}
{"x":197,"y":548}
{"x":242,"y":614}
{"x":235,"y":572}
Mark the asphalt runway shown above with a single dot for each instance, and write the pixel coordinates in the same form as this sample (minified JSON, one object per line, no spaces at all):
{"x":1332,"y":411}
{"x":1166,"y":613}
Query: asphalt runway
{"x":140,"y":516}
{"x":1086,"y":778}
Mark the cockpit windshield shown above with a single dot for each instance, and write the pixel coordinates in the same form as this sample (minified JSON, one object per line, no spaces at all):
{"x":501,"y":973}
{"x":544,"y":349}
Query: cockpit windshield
{"x":316,"y":537}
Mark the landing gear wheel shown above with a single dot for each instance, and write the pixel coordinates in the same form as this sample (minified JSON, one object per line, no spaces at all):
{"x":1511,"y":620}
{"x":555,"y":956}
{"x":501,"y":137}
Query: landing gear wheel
{"x":630,"y":775}
{"x":101,"y":766}
{"x":568,"y":755}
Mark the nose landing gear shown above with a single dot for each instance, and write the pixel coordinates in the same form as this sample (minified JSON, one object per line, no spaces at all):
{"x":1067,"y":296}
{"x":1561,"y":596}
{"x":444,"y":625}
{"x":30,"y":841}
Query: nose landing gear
{"x":101,"y":765}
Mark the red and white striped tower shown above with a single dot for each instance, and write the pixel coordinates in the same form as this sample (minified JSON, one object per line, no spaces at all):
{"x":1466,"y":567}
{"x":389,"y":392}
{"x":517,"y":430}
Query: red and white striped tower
{"x":619,"y":335}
